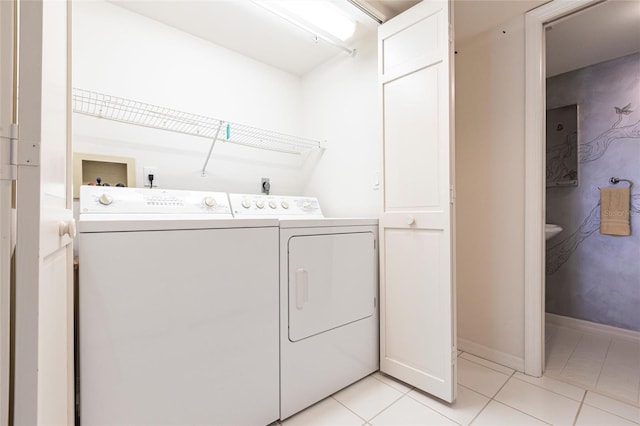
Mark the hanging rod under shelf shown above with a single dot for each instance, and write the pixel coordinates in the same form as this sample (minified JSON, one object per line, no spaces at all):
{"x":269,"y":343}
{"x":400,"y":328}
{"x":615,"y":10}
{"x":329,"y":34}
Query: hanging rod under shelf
{"x":142,"y":114}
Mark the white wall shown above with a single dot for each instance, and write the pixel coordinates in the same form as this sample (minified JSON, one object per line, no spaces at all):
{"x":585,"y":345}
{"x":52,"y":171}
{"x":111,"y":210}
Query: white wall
{"x":124,"y":54}
{"x":150,"y":62}
{"x":340,"y":104}
{"x":490,"y":183}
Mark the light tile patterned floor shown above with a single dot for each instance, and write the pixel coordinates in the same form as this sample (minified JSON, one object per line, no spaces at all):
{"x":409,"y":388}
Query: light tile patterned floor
{"x":598,"y":362}
{"x":488,"y":394}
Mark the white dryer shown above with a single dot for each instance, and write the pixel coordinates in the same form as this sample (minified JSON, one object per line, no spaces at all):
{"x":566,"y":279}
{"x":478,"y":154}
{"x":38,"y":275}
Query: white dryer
{"x":178,"y":310}
{"x":328,"y":297}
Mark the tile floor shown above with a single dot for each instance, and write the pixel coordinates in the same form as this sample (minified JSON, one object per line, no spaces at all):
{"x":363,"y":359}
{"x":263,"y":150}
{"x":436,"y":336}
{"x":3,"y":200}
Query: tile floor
{"x":488,"y":394}
{"x":598,"y":362}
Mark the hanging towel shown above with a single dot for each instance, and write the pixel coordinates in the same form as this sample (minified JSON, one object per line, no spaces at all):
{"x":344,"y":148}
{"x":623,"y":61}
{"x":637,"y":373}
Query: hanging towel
{"x":614,"y":211}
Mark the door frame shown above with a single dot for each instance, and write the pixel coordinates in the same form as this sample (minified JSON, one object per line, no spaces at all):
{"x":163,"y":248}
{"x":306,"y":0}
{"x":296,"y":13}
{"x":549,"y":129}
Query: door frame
{"x":535,"y":191}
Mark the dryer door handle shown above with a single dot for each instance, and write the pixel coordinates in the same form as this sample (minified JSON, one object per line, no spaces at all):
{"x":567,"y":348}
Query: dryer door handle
{"x":302,"y":288}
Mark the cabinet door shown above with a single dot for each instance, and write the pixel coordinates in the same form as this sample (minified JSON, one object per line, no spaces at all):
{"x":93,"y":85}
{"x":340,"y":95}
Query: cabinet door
{"x":43,"y":386}
{"x":416,"y":246}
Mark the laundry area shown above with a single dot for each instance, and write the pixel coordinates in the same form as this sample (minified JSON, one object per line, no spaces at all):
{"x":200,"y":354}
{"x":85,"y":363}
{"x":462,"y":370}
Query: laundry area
{"x":272,"y":222}
{"x":309,"y":121}
{"x":228,"y":196}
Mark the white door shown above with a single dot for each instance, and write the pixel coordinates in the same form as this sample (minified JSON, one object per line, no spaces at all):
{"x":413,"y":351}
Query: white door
{"x":417,"y":291}
{"x":43,"y":387}
{"x":7,"y":174}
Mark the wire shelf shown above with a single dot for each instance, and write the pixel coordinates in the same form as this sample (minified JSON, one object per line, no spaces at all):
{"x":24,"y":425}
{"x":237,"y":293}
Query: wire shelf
{"x":142,"y":114}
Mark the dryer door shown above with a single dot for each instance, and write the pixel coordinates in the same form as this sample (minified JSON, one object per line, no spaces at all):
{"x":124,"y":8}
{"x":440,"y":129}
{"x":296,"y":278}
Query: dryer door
{"x":332,"y":281}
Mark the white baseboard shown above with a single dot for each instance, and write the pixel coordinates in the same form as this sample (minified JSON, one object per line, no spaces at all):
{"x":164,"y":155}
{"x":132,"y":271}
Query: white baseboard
{"x":592,"y":327}
{"x":491,"y":354}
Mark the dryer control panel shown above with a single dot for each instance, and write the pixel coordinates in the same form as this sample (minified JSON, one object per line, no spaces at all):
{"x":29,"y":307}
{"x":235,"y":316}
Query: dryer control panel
{"x":278,"y":206}
{"x":109,"y":199}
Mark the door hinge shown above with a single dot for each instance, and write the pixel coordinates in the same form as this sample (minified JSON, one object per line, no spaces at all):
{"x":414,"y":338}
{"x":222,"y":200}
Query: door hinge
{"x":8,"y":168}
{"x":452,"y":194}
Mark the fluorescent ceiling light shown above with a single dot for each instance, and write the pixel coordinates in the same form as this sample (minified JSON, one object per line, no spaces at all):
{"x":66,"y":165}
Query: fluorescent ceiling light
{"x":316,"y":16}
{"x":320,"y":14}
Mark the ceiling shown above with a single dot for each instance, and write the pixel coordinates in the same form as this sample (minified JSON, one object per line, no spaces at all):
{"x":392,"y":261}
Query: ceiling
{"x":244,"y":27}
{"x":610,"y":30}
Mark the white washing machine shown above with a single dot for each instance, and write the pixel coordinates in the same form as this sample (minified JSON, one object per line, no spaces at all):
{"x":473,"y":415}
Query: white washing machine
{"x":178,"y":310}
{"x":328,"y":297}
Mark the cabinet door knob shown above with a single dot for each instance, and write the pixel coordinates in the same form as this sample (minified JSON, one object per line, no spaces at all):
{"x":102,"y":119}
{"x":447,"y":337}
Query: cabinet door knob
{"x":67,"y":228}
{"x":410,"y":220}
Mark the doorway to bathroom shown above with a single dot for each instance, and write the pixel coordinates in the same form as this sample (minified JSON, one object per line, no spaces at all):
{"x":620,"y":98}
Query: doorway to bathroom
{"x":591,"y":278}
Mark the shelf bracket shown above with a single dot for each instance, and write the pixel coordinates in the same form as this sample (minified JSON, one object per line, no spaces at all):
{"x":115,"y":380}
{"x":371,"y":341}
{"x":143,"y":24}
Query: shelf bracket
{"x":213,"y":143}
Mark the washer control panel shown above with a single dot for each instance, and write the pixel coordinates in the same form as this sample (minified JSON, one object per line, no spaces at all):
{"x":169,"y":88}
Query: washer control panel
{"x":246,"y":205}
{"x":110,"y":199}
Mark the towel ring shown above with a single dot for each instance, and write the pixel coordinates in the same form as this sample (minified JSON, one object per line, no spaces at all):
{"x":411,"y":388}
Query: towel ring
{"x":615,"y":180}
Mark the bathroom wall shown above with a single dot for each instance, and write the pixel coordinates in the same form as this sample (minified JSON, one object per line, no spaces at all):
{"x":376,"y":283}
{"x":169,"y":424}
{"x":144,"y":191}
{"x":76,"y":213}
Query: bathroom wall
{"x":591,"y":276}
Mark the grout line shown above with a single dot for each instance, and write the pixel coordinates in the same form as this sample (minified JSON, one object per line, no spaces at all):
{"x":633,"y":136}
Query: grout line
{"x":481,"y":410}
{"x":385,"y":408}
{"x":575,"y":419}
{"x":594,"y":389}
{"x":610,"y":412}
{"x":493,"y":397}
{"x":489,"y":367}
{"x":437,"y":400}
{"x":571,"y":354}
{"x":606,"y":355}
{"x":584,"y":391}
{"x":589,"y":388}
{"x":520,"y":411}
{"x":391,"y":378}
{"x":372,"y":375}
{"x":486,"y":366}
{"x":359,"y":416}
{"x":557,"y":375}
{"x":513,"y":376}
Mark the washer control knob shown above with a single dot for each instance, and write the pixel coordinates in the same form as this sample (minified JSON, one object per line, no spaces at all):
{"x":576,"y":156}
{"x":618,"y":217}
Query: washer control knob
{"x":273,"y":204}
{"x":105,"y":199}
{"x":260,"y":204}
{"x":285,"y":204}
{"x":209,"y":202}
{"x":306,"y":205}
{"x":246,"y":204}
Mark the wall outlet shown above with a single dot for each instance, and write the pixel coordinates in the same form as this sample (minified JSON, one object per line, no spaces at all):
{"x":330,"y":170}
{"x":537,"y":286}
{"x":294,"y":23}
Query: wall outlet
{"x":265,"y":186}
{"x":150,"y":170}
